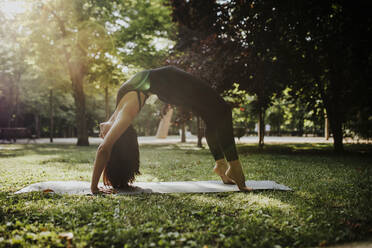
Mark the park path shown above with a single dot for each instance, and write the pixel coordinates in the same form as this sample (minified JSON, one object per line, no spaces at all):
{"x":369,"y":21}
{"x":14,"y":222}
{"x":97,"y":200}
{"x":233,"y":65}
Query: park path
{"x":362,"y":244}
{"x":190,"y":139}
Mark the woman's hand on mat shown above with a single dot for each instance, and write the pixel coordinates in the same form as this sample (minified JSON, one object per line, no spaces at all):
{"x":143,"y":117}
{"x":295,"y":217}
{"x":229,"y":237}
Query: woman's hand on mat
{"x":103,"y":190}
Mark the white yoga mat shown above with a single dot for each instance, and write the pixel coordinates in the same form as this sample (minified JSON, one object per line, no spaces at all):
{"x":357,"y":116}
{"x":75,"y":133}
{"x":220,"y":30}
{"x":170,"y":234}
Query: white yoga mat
{"x":83,"y":188}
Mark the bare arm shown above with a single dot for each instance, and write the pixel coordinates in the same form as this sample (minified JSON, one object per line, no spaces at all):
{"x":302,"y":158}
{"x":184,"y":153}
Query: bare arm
{"x":127,"y":111}
{"x":105,"y":126}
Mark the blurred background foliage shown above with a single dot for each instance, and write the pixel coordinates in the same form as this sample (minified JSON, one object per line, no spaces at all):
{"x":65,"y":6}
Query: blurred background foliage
{"x":283,"y":66}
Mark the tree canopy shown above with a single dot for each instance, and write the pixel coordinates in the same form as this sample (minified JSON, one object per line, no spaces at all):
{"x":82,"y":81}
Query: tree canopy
{"x":285,"y":63}
{"x":319,"y":50}
{"x":85,"y":44}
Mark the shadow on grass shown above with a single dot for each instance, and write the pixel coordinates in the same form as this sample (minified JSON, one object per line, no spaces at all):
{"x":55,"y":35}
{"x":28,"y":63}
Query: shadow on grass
{"x":200,"y":218}
{"x":17,"y":150}
{"x":223,"y":219}
{"x":307,"y":149}
{"x":188,"y":148}
{"x":330,"y":201}
{"x":14,"y":150}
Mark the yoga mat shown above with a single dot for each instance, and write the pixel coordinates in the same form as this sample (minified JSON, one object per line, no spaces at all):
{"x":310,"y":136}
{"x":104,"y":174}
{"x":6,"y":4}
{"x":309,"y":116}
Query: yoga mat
{"x":83,"y":188}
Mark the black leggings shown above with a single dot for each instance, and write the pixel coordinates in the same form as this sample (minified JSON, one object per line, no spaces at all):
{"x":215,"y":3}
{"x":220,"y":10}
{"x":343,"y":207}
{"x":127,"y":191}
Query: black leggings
{"x":219,"y":134}
{"x":177,"y":87}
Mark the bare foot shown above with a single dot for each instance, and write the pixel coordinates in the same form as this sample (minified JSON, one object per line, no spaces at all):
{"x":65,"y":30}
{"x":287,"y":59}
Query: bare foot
{"x":235,"y":173}
{"x":220,"y":169}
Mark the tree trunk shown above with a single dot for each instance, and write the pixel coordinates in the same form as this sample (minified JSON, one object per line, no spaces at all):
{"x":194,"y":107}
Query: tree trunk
{"x":82,"y":131}
{"x":334,"y":102}
{"x":335,"y":121}
{"x":200,"y":131}
{"x":11,"y":104}
{"x":51,"y":115}
{"x":37,"y":125}
{"x":16,"y":106}
{"x":107,"y":106}
{"x":77,"y":78}
{"x":77,"y":71}
{"x":261,"y":103}
{"x":336,"y":127}
{"x":70,"y":131}
{"x":8,"y":108}
{"x":261,"y":128}
{"x":300,"y":124}
{"x":183,"y":133}
{"x":335,"y":113}
{"x":326,"y":127}
{"x":337,"y":136}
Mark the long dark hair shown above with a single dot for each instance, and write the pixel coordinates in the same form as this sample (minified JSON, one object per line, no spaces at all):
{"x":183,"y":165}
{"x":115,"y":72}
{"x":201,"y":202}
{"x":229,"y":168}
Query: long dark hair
{"x":123,"y":164}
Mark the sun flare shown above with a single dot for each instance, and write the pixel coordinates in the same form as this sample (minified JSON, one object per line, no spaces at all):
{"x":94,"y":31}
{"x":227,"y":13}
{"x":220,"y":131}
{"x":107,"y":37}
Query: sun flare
{"x":10,"y":8}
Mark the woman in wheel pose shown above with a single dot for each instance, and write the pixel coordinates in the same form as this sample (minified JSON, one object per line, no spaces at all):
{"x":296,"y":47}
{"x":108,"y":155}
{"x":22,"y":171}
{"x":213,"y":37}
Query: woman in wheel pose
{"x":118,"y":157}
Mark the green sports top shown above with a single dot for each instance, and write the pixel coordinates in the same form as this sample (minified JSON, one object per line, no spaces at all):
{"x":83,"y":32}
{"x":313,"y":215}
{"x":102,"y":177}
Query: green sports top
{"x":139,"y":82}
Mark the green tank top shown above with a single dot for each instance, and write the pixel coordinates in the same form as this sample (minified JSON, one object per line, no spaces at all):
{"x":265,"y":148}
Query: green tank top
{"x":139,"y":82}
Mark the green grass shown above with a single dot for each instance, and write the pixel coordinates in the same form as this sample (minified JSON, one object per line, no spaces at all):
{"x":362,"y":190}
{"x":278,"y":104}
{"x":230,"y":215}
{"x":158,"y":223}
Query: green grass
{"x":331,"y":202}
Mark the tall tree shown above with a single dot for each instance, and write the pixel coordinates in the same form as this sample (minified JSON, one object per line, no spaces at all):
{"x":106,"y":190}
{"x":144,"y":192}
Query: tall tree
{"x":265,"y":45}
{"x":91,"y":38}
{"x":12,"y":69}
{"x":143,"y":31}
{"x":331,"y":40}
{"x":234,"y":42}
{"x":68,"y":29}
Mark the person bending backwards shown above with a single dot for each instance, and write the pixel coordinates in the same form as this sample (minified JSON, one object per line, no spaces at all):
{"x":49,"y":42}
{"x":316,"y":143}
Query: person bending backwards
{"x":118,"y":156}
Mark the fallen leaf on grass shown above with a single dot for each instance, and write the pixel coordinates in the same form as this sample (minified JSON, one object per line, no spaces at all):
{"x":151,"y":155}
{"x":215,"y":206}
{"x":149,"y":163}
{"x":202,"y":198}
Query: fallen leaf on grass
{"x":68,"y":236}
{"x":323,"y":243}
{"x":48,"y":191}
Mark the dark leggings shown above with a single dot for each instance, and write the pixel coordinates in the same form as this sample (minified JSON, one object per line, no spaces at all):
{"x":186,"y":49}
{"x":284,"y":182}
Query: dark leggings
{"x":177,"y":87}
{"x":219,"y":134}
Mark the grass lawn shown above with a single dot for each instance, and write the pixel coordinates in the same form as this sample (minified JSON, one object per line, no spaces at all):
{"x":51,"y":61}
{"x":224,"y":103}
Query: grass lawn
{"x":331,"y":202}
